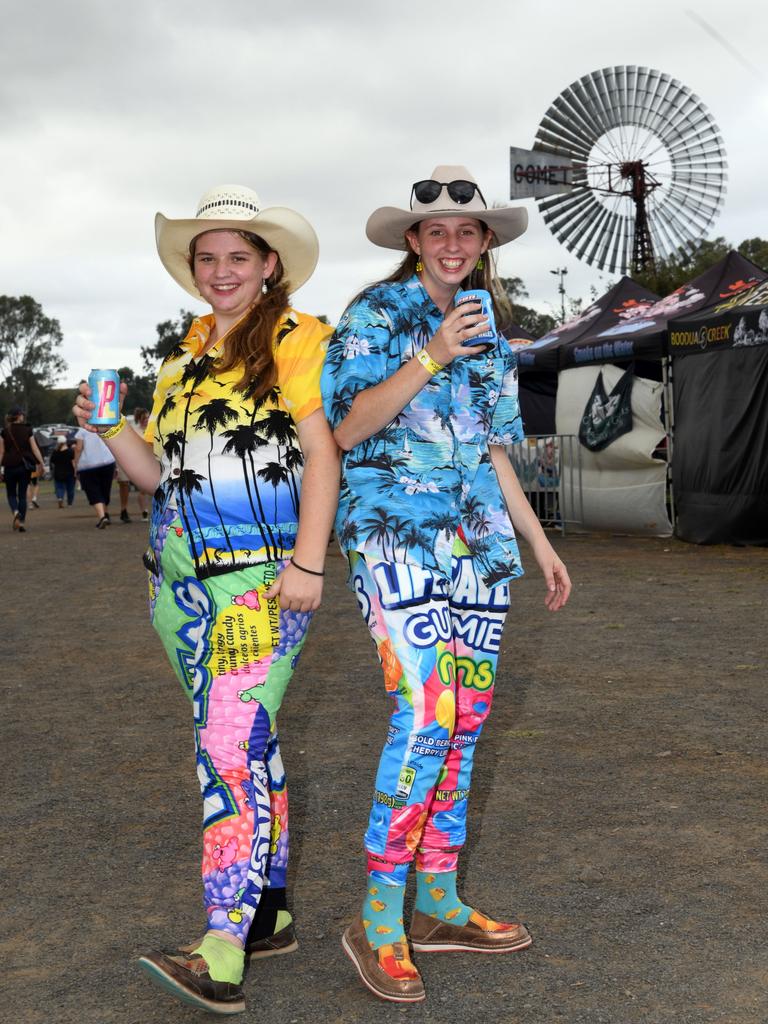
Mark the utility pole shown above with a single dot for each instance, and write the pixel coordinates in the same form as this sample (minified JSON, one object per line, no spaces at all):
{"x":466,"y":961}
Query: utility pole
{"x":561,"y":272}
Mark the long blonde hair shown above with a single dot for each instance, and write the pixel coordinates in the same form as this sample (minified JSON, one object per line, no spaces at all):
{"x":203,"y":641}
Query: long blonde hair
{"x":249,"y":343}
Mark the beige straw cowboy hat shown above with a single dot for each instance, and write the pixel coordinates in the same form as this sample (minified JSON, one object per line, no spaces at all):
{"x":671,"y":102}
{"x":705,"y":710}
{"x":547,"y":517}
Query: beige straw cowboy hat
{"x":236,"y":208}
{"x":450,"y":192}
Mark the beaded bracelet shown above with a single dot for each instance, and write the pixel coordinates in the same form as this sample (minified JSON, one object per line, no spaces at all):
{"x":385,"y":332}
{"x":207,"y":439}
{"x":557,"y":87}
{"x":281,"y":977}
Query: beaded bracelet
{"x":310,"y":572}
{"x":113,"y":431}
{"x":428,"y":362}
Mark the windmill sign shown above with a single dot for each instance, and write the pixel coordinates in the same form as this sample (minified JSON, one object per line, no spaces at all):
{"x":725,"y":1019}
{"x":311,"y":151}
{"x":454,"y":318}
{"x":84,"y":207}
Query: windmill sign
{"x":535,"y":173}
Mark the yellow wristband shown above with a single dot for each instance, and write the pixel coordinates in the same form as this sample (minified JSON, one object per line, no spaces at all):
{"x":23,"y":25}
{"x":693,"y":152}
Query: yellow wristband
{"x":428,"y":362}
{"x":113,"y":431}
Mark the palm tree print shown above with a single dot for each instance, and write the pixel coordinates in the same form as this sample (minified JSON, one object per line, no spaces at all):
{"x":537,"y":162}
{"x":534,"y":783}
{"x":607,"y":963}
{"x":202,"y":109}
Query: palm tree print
{"x":274,"y":473}
{"x":383,"y":527}
{"x":212,"y":416}
{"x":293,"y":459}
{"x":189,"y":482}
{"x":242,"y":442}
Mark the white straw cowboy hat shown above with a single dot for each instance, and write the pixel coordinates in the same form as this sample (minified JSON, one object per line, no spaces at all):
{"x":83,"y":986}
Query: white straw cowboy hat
{"x":387,"y":226}
{"x":236,"y":208}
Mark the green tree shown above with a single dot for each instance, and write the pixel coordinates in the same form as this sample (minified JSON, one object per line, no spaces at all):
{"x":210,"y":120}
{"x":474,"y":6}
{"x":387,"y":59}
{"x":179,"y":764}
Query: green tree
{"x":755,"y":249}
{"x":537,"y":324}
{"x":141,"y":388}
{"x":682,"y":266}
{"x":29,"y":339}
{"x":170,"y":334}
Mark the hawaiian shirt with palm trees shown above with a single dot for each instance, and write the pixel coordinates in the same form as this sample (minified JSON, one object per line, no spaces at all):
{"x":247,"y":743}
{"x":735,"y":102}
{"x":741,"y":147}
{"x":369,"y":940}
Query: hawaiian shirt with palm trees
{"x":408,"y":489}
{"x":230,"y":466}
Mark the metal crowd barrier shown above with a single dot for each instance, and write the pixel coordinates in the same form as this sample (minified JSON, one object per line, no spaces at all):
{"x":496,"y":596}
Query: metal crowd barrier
{"x":548,"y":467}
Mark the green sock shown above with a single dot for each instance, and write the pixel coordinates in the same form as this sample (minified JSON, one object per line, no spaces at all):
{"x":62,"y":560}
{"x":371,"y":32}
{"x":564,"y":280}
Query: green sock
{"x":436,"y":896}
{"x":225,"y":960}
{"x":383,"y":914}
{"x":282,"y":920}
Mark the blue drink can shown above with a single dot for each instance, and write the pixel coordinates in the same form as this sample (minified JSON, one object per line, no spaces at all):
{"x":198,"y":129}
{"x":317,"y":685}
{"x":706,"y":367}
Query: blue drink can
{"x":105,"y":393}
{"x":479,"y":295}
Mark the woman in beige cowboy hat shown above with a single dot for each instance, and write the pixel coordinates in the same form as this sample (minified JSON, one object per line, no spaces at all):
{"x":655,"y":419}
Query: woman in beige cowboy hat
{"x":427,"y":516}
{"x":245,"y":472}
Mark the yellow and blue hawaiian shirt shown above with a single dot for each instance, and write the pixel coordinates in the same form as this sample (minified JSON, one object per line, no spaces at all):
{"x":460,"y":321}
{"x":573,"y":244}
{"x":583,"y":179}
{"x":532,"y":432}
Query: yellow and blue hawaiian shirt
{"x":231,"y":466}
{"x":408,"y":489}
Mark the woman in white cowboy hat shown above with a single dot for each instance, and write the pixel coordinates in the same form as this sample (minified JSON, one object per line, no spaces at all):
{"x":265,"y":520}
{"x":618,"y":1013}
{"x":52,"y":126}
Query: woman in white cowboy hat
{"x":427,"y":516}
{"x":245,"y":473}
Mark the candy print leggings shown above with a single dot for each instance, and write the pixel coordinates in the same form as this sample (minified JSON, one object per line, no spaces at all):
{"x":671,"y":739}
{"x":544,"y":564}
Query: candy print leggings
{"x":234,"y":653}
{"x":438,"y":642}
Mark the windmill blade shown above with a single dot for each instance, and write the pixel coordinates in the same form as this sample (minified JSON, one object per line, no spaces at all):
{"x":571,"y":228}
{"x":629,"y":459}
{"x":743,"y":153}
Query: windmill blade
{"x":638,"y":122}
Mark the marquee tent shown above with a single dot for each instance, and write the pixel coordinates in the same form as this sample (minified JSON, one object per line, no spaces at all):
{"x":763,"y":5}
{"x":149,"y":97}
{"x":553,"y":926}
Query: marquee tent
{"x":622,"y":304}
{"x":642,"y":334}
{"x":720,"y":388}
{"x":536,"y":391}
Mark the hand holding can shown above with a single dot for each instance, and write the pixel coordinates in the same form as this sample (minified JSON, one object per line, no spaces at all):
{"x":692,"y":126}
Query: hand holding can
{"x":479,"y":296}
{"x":105,"y":394}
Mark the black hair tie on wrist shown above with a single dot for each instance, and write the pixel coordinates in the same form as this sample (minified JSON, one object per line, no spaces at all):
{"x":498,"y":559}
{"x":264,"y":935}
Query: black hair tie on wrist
{"x":310,"y":572}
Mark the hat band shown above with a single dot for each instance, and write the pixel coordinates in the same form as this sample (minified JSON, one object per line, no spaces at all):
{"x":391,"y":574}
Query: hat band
{"x":228,"y":207}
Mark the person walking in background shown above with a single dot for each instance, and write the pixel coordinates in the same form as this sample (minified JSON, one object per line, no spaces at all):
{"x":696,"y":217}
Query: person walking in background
{"x":38,"y":474}
{"x":62,"y":462}
{"x":139,"y":424}
{"x":124,"y":490}
{"x":140,"y":421}
{"x":245,"y":475}
{"x":427,"y":516}
{"x":19,"y":457}
{"x":95,"y":465}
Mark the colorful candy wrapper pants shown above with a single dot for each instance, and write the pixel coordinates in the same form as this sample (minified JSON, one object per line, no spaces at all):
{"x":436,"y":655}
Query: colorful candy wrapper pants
{"x":234,"y":653}
{"x":438,"y":642}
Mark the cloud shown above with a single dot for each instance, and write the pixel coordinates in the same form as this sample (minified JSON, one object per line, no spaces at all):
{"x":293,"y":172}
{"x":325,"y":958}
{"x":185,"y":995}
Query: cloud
{"x":110,"y":113}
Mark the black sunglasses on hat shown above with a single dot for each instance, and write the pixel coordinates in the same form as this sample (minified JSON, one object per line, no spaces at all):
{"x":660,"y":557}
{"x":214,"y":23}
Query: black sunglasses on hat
{"x":459,"y":191}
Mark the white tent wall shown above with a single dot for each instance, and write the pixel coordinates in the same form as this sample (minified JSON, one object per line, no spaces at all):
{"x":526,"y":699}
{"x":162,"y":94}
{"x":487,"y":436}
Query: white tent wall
{"x":623,"y":487}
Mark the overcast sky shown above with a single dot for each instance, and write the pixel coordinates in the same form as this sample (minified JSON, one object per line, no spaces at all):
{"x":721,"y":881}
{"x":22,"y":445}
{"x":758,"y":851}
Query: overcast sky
{"x":110,"y":112}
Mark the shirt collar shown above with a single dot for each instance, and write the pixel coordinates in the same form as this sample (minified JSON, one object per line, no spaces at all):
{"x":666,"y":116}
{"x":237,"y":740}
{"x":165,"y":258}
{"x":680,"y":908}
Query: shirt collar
{"x":201,"y":327}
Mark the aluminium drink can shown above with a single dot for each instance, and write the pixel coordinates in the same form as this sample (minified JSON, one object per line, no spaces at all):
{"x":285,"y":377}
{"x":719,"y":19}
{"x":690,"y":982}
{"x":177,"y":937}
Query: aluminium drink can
{"x":105,"y":394}
{"x":487,"y":339}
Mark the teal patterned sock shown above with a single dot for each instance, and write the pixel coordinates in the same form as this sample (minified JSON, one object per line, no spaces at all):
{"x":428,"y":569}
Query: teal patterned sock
{"x":383,"y":913}
{"x":436,"y":896}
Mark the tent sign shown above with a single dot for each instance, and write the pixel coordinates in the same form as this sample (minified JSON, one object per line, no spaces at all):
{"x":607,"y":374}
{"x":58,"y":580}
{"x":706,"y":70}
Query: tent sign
{"x":536,"y":173}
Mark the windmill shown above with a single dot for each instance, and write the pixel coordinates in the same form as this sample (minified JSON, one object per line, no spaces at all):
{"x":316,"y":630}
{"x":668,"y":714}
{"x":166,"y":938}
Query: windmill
{"x":627,"y":166}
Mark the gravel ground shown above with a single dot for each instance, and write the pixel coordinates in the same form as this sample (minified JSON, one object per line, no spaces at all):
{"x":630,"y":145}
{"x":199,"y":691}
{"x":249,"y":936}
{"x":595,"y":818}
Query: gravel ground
{"x":618,"y":806}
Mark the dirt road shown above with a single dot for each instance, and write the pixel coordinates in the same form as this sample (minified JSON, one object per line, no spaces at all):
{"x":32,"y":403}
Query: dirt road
{"x":619,"y":805}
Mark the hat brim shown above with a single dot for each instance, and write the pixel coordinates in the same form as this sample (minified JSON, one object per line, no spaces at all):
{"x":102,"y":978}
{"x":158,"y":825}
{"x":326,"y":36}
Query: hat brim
{"x":387,"y":225}
{"x":285,"y":230}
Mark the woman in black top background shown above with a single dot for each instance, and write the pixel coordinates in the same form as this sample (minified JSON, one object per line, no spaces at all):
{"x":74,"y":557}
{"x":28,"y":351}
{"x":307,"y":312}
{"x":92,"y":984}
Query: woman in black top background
{"x":19,"y":454}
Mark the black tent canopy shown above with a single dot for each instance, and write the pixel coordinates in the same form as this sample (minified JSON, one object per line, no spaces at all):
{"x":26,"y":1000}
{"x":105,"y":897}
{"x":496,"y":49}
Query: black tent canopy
{"x":621,"y":305}
{"x":644,"y":335}
{"x":720,"y":381}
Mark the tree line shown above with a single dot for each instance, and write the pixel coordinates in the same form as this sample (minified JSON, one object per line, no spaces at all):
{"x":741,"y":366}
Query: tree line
{"x":31,"y":363}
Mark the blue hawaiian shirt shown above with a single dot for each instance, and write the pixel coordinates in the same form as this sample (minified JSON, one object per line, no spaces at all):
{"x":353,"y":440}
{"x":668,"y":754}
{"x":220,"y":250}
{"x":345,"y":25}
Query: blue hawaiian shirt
{"x":407,"y":489}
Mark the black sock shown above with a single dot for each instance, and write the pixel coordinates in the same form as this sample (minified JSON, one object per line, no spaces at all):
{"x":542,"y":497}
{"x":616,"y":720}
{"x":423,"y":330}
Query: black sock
{"x":265,"y":918}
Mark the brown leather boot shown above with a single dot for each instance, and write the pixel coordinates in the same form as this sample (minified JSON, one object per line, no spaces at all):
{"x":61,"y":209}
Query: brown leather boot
{"x":187,"y":978}
{"x":430,"y":935}
{"x":400,"y":982}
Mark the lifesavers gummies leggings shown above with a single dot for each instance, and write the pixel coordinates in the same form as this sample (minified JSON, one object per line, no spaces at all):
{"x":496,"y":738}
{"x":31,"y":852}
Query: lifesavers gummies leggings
{"x":438,"y":642}
{"x":234,"y":653}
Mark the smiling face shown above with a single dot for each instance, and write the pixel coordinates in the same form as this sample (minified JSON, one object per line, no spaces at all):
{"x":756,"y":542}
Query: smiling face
{"x":449,"y":248}
{"x":229,"y":274}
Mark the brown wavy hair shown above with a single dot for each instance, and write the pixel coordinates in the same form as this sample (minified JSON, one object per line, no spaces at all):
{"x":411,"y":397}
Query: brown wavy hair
{"x":249,"y":343}
{"x":486,"y":278}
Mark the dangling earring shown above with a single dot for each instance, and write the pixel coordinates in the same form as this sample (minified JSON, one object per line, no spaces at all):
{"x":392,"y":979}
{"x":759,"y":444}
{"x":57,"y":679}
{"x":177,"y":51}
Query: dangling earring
{"x":419,"y":265}
{"x":264,"y":287}
{"x":480,"y":263}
